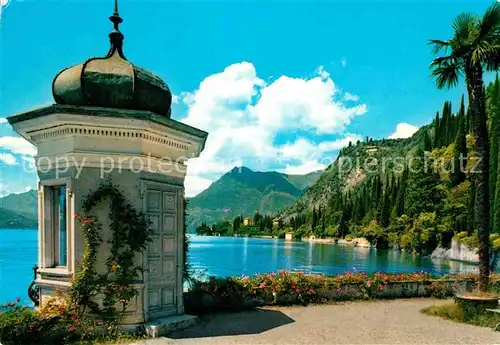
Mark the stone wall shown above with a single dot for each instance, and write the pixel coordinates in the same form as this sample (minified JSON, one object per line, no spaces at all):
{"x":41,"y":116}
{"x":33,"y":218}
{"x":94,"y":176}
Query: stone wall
{"x":197,"y":303}
{"x":461,"y":252}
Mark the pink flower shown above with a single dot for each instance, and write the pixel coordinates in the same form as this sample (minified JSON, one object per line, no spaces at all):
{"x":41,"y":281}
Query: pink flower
{"x":18,"y":300}
{"x":72,"y":329}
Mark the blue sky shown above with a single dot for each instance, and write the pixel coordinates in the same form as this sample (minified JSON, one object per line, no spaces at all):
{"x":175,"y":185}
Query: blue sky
{"x":278,"y":84}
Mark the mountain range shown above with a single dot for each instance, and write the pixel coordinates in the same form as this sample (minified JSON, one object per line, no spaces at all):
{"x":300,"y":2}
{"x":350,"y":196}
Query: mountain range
{"x":19,"y":211}
{"x":241,"y":191}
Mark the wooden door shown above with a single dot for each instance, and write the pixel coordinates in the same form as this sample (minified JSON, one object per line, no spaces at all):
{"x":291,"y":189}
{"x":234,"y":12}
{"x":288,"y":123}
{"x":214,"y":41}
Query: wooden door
{"x":162,"y":206}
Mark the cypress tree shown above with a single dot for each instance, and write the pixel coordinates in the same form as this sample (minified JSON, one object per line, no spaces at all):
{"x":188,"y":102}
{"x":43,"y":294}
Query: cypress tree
{"x":437,"y":131}
{"x":471,"y":200}
{"x":461,"y":114}
{"x":400,"y":200}
{"x":457,"y":174}
{"x":443,"y":126}
{"x":314,"y":218}
{"x":421,"y":194}
{"x":386,"y":210}
{"x":493,"y":112}
{"x":427,"y":142}
{"x":493,"y":109}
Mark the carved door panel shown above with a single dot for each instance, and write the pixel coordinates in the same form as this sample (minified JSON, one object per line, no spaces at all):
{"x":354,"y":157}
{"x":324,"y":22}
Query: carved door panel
{"x":162,"y":208}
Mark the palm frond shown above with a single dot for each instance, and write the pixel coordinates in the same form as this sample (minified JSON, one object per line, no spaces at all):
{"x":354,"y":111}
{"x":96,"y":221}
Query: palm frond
{"x":445,"y":72}
{"x":492,"y":60}
{"x":464,"y":26}
{"x":439,"y":46}
{"x":489,"y":25}
{"x":442,"y":60}
{"x":481,"y":51}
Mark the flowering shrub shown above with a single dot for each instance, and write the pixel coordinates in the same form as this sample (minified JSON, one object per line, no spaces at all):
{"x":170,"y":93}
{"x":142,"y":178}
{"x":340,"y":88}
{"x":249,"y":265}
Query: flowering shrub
{"x":286,"y":287}
{"x":21,"y":325}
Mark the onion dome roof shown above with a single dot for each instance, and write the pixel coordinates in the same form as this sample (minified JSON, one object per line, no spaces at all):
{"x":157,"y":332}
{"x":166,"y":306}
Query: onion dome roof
{"x":112,"y":81}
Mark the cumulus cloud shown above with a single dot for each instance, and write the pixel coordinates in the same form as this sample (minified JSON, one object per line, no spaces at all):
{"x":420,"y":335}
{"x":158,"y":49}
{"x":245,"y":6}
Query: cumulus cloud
{"x":8,"y":159}
{"x":195,"y":185}
{"x":305,"y":150}
{"x":403,"y":130}
{"x":17,"y":146}
{"x":322,"y":72}
{"x":350,"y":97}
{"x":304,"y":168}
{"x":3,"y":120}
{"x":6,"y":189}
{"x":244,"y":114}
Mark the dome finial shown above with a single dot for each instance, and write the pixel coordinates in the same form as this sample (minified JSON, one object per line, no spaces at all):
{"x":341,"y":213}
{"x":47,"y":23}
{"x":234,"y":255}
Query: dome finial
{"x":116,"y":37}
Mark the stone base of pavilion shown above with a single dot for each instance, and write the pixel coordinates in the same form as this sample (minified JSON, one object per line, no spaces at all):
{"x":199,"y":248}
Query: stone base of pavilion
{"x":163,"y":326}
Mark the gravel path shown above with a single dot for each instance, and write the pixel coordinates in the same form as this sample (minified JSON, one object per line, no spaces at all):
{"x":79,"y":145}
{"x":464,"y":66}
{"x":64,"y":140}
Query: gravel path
{"x":381,"y":322}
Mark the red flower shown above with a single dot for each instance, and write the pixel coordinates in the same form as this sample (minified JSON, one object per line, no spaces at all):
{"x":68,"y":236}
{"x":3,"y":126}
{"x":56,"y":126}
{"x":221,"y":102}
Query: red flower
{"x":72,"y":329}
{"x":1,"y":314}
{"x":86,"y":221}
{"x":77,"y":215}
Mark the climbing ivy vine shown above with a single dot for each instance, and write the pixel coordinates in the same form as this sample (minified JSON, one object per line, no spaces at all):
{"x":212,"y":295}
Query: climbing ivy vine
{"x":130,"y":234}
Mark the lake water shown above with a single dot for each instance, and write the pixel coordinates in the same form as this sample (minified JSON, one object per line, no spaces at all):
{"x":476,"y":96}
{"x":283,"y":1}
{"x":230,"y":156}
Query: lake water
{"x":226,"y":256}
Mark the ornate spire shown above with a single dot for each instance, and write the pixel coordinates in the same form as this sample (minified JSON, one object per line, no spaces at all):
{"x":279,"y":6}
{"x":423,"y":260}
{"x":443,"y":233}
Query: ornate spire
{"x":115,"y":36}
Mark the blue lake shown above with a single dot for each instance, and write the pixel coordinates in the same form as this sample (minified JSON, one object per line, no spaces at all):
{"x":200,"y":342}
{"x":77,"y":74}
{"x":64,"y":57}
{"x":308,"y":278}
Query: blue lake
{"x":226,"y":256}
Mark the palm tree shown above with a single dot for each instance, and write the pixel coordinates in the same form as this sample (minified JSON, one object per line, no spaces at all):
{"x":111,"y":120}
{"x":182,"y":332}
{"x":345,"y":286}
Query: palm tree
{"x":474,"y":47}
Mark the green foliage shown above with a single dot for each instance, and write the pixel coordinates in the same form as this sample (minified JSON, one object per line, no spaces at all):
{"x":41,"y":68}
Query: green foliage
{"x":130,"y":236}
{"x":474,"y":48}
{"x":457,"y":174}
{"x":454,"y":312}
{"x":286,"y":287}
{"x":261,"y":226}
{"x":493,"y":110}
{"x":53,"y":324}
{"x":422,"y":194}
{"x":418,"y":207}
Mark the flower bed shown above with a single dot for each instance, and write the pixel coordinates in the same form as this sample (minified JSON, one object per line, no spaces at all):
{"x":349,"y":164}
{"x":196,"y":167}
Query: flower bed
{"x":287,"y":288}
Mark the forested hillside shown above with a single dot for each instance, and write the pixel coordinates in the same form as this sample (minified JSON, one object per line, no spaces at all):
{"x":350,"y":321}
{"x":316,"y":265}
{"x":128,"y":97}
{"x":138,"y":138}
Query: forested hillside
{"x":19,"y":211}
{"x":409,"y":193}
{"x":242,"y":191}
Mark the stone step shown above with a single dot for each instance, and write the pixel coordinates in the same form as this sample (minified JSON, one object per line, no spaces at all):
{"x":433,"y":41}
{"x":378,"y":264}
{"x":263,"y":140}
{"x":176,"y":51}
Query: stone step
{"x":163,"y":326}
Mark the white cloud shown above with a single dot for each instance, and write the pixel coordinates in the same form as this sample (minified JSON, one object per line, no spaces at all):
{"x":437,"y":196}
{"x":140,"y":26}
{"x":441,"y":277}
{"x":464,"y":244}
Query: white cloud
{"x":3,"y":120}
{"x":304,"y":168}
{"x":311,"y":156}
{"x":322,"y":72}
{"x":343,"y":62}
{"x":175,"y":99}
{"x":3,"y":6}
{"x":6,"y":189}
{"x":243,"y":115}
{"x":403,"y":130}
{"x":350,"y":97}
{"x":195,"y":185}
{"x":17,"y":146}
{"x":8,"y":159}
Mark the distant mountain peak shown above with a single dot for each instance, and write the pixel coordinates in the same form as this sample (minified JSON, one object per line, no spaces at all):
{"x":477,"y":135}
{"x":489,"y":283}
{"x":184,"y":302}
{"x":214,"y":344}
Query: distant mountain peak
{"x":242,"y":190}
